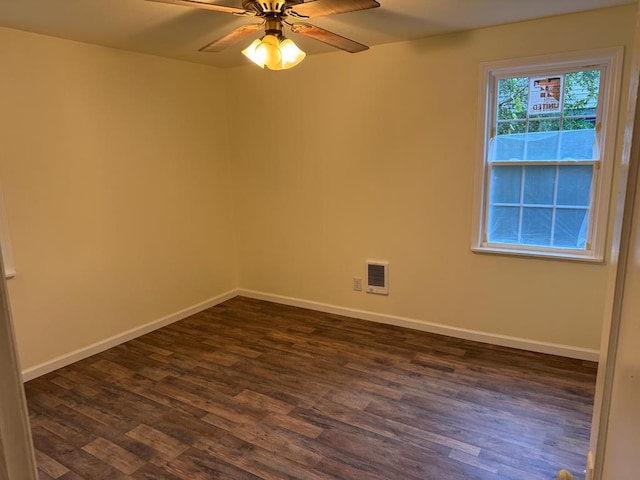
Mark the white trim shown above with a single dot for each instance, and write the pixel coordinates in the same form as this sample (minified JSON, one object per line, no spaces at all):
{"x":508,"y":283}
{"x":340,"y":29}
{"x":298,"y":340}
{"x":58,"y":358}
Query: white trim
{"x":17,"y":460}
{"x":82,"y":353}
{"x":557,"y":254}
{"x":5,"y":241}
{"x":425,"y":326}
{"x":494,"y":339}
{"x":620,"y":258}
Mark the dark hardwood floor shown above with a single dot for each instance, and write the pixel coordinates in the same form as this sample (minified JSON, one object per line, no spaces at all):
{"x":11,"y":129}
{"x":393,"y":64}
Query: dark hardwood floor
{"x":255,"y":390}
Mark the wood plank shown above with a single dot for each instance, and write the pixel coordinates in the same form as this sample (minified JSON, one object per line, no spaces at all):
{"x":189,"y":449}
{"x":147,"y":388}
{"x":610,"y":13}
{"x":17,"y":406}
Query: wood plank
{"x":113,"y":455}
{"x":49,"y":466}
{"x":166,"y":445}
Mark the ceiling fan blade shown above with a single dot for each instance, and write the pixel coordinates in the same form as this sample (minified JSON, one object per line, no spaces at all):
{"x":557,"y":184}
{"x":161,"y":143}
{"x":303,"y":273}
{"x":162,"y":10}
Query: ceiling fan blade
{"x":232,"y":37}
{"x":319,"y":8}
{"x":206,"y":6}
{"x":330,"y":38}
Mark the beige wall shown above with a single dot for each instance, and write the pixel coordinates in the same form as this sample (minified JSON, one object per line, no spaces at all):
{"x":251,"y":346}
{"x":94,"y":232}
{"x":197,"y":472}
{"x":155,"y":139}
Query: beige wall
{"x":372,"y":156}
{"x":115,"y":174}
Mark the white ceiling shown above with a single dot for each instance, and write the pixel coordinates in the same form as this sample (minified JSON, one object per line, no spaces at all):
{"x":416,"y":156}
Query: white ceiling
{"x":177,"y":32}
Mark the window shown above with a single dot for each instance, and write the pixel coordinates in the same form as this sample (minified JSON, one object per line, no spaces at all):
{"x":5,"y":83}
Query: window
{"x":546,"y":155}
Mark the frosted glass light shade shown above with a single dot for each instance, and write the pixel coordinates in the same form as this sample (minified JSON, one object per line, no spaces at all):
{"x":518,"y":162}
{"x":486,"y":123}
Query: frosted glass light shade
{"x":269,"y":49}
{"x":291,"y":54}
{"x":273,"y":53}
{"x":251,"y":53}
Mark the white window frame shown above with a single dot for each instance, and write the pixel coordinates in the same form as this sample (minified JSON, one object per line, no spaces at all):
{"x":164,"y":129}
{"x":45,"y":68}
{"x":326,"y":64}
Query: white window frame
{"x":610,"y":59}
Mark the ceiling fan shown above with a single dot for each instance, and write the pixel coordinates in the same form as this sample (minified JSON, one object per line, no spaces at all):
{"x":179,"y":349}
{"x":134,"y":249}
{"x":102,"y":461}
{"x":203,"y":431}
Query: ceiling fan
{"x":274,"y":50}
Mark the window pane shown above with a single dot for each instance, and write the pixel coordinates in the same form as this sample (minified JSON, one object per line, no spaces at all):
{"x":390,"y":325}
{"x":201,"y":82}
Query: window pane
{"x":512,"y":98}
{"x":588,"y":123}
{"x":542,"y":146}
{"x":571,"y":228}
{"x":560,"y":145}
{"x":507,"y":147}
{"x":510,"y":128}
{"x":544,"y":125}
{"x":505,"y":184}
{"x":539,"y":185}
{"x":503,"y":224}
{"x":578,"y":145}
{"x":581,"y":90}
{"x":536,"y":226}
{"x":574,"y":185}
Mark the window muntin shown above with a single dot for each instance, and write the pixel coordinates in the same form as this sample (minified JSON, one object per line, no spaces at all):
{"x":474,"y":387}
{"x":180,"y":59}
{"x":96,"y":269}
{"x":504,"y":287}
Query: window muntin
{"x":544,"y":190}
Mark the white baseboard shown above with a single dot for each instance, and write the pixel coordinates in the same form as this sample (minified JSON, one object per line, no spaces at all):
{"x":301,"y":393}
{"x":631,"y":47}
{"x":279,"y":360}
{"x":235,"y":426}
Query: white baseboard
{"x":82,"y":353}
{"x":494,"y":339}
{"x":505,"y":341}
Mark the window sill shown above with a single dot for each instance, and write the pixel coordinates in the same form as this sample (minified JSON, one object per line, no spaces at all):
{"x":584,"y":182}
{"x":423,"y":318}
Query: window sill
{"x":556,"y":255}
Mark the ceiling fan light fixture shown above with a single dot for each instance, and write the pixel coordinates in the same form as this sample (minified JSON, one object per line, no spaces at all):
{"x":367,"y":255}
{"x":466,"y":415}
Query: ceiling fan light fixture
{"x":274,"y":53}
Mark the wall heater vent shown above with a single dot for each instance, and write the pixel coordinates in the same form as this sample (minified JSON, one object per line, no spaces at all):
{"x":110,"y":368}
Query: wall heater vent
{"x":378,"y":277}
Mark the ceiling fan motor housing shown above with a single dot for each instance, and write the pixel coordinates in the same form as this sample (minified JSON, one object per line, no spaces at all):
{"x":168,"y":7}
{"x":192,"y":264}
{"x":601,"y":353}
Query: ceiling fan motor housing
{"x":262,"y":6}
{"x":273,"y":25}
